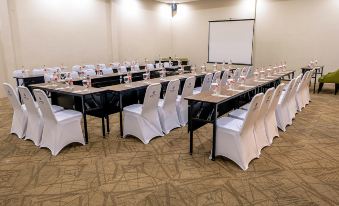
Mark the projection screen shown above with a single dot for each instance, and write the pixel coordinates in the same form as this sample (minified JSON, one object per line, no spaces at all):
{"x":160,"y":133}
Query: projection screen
{"x":231,"y":40}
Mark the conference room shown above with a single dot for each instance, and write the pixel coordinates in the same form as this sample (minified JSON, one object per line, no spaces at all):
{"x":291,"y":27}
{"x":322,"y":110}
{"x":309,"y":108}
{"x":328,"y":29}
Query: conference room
{"x":169,"y":102}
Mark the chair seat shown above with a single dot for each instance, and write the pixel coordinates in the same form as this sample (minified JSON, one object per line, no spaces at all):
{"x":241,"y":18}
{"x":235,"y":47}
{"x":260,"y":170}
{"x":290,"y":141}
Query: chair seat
{"x":67,"y":115}
{"x":134,"y":108}
{"x":229,"y":123}
{"x":245,"y":107}
{"x":238,"y":114}
{"x":56,"y":108}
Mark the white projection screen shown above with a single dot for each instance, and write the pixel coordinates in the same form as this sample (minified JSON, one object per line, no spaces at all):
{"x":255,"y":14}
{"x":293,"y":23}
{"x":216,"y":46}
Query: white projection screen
{"x":231,"y":40}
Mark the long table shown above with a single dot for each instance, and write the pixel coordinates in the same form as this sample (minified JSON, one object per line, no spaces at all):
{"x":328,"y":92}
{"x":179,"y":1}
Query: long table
{"x":215,"y":101}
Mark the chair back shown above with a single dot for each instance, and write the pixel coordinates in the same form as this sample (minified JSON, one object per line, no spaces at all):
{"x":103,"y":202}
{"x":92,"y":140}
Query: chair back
{"x":38,"y":72}
{"x":12,"y":96}
{"x":18,"y":73}
{"x":107,"y":70}
{"x":89,"y":66}
{"x":171,"y":93}
{"x":76,"y":68}
{"x":237,"y":74}
{"x":288,"y":92}
{"x":295,"y":87}
{"x":252,"y":113}
{"x":275,"y":98}
{"x":216,"y":77}
{"x":115,"y":65}
{"x":28,"y":100}
{"x":123,"y":69}
{"x":150,"y":106}
{"x":206,"y":84}
{"x":102,"y":66}
{"x":90,"y":72}
{"x":52,"y":70}
{"x":167,"y":64}
{"x":224,"y":78}
{"x":150,"y":66}
{"x":188,"y":87}
{"x":136,"y":67}
{"x":44,"y":105}
{"x":267,"y":99}
{"x":75,"y":75}
{"x":303,"y":81}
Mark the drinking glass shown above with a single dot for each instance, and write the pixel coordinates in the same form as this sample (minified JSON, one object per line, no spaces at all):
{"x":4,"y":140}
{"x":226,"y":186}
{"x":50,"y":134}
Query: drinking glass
{"x":126,"y":79}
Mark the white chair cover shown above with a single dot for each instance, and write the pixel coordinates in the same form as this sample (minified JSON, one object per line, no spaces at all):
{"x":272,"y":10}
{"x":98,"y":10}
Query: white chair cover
{"x":270,"y":119}
{"x":292,"y":103}
{"x":216,"y":77}
{"x":122,"y":69}
{"x":136,"y":67}
{"x":90,"y":72}
{"x":76,"y":68}
{"x":169,"y":119}
{"x":301,"y":102}
{"x":282,"y":109}
{"x":259,"y":125}
{"x":150,"y":66}
{"x":307,"y":96}
{"x":224,"y":78}
{"x":115,"y":65}
{"x":142,"y":121}
{"x":74,"y":75}
{"x":61,"y":128}
{"x":52,"y":70}
{"x":90,"y":66}
{"x":102,"y":66}
{"x":167,"y":65}
{"x":38,"y":72}
{"x":206,"y":84}
{"x":182,"y":104}
{"x":35,"y":122}
{"x":18,"y":73}
{"x":19,"y":121}
{"x":107,"y":70}
{"x":235,"y":138}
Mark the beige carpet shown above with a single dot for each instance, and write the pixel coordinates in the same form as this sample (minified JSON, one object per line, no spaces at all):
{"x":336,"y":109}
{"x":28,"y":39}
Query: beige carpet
{"x":300,"y":168}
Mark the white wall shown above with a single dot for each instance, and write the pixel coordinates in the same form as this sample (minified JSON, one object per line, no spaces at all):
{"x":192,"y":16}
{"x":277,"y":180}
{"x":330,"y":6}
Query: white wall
{"x":297,"y":31}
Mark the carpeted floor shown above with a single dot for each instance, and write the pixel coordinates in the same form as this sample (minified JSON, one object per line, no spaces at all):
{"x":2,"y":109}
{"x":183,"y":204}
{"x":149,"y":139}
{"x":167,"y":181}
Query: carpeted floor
{"x":300,"y":168}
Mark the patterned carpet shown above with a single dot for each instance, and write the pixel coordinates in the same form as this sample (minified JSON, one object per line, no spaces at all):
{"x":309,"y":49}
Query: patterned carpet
{"x":300,"y":168}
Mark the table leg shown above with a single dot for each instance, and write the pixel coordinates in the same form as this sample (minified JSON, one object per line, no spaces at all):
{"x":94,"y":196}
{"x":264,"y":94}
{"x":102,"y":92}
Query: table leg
{"x":120,"y":113}
{"x":107,"y":123}
{"x":103,"y":127}
{"x":84,"y":117}
{"x":190,"y":128}
{"x":315,"y":80}
{"x":214,"y":131}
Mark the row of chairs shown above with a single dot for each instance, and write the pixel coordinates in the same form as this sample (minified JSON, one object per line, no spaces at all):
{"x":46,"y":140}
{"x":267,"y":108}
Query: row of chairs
{"x":156,"y":116}
{"x":244,"y":132}
{"x":46,"y":125}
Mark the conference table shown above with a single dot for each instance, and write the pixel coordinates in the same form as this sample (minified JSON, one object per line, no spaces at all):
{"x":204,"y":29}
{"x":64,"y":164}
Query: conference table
{"x":216,"y":101}
{"x":73,"y":91}
{"x":121,"y":89}
{"x":318,"y":70}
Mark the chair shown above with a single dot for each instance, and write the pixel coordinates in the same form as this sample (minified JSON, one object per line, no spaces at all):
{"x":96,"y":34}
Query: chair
{"x":59,"y":129}
{"x":299,"y":97}
{"x":182,"y":104}
{"x":142,"y":120}
{"x":224,"y":78}
{"x":19,"y":121}
{"x":89,"y":66}
{"x":216,"y":77}
{"x":282,"y":110}
{"x":90,"y":72}
{"x":206,"y":84}
{"x":169,"y":119}
{"x":35,"y":122}
{"x":102,"y":66}
{"x":150,"y":66}
{"x":259,"y":125}
{"x":37,"y":72}
{"x":75,"y":75}
{"x":271,"y":119}
{"x":106,"y":71}
{"x":306,"y":93}
{"x":136,"y":67}
{"x":292,"y":103}
{"x":235,"y":138}
{"x":115,"y":65}
{"x":332,"y":77}
{"x":18,"y":73}
{"x":122,"y":69}
{"x":76,"y":68}
{"x":167,"y":65}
